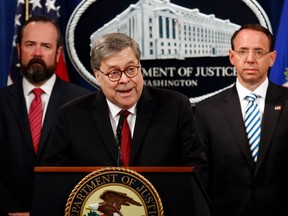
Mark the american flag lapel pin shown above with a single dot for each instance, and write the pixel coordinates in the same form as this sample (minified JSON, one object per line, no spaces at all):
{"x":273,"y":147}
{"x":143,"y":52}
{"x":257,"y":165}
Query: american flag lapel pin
{"x":278,"y":107}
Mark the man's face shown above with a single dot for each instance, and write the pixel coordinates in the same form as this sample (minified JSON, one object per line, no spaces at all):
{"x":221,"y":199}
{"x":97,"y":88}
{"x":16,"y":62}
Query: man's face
{"x":127,"y":91}
{"x":38,"y":52}
{"x":251,"y":69}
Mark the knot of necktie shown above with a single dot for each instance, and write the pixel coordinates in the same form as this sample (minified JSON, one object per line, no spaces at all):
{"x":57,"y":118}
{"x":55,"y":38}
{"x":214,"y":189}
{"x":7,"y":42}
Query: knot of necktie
{"x":251,"y":97}
{"x":124,"y":113}
{"x":37,"y":91}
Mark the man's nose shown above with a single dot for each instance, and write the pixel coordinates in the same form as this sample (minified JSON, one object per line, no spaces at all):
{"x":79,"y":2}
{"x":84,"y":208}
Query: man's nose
{"x":124,"y":77}
{"x":37,"y":51}
{"x":251,"y":56}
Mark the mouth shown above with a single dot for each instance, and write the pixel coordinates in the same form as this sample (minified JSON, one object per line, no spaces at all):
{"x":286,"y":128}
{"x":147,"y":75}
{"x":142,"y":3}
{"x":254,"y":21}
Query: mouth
{"x":250,"y":69}
{"x":37,"y":66}
{"x":125,"y":91}
{"x":36,"y":62}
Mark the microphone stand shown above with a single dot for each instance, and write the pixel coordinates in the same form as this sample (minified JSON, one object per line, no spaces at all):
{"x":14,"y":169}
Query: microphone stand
{"x":119,"y":137}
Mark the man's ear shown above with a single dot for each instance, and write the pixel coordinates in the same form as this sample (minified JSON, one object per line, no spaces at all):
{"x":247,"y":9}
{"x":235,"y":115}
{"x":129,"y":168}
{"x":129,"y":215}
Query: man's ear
{"x":58,"y":53}
{"x":96,"y":74}
{"x":272,"y":58}
{"x":231,"y":56}
{"x":18,"y":50}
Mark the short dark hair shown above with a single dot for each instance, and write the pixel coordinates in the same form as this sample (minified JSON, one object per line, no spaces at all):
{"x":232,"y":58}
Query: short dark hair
{"x":256,"y":27}
{"x":43,"y":19}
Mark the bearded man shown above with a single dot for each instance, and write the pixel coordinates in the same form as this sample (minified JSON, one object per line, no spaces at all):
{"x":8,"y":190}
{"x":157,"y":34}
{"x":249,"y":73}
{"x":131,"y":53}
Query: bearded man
{"x":21,"y":148}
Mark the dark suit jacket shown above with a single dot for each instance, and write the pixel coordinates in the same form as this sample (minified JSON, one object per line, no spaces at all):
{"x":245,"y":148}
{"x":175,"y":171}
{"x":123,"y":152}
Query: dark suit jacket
{"x":164,"y":133}
{"x":237,"y":185}
{"x":17,"y":158}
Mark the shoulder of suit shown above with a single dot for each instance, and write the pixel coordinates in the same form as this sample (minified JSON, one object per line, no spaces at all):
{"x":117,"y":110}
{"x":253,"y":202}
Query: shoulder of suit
{"x":86,"y":100}
{"x":278,"y":89}
{"x":70,"y":88}
{"x":218,"y":98}
{"x":14,"y":89}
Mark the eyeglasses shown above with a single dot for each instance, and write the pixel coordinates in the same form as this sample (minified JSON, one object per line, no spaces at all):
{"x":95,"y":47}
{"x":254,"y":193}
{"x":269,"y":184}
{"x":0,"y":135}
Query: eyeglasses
{"x":243,"y":53}
{"x":116,"y":75}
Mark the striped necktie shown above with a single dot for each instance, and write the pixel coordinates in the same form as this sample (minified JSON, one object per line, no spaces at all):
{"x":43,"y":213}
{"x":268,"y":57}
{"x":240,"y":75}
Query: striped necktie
{"x":35,"y":117}
{"x":253,"y":125}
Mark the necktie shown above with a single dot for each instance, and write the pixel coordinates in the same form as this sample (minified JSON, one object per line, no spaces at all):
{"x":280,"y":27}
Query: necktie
{"x":253,"y":125}
{"x":35,"y":117}
{"x":124,"y":136}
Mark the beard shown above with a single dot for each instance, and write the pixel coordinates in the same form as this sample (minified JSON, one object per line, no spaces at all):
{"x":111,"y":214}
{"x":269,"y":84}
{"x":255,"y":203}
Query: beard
{"x":37,"y":71}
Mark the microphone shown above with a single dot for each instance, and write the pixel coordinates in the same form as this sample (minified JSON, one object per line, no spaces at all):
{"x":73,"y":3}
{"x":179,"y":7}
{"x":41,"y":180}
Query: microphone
{"x":119,"y":137}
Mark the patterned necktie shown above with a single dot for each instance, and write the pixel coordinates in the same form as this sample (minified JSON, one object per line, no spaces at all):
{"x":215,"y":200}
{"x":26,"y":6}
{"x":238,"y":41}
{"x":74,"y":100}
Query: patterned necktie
{"x":124,"y":134}
{"x":253,"y":125}
{"x":35,"y":117}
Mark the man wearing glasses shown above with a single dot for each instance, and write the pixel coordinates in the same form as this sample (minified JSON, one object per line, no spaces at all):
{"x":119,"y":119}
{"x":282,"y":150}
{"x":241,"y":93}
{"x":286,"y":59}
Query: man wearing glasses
{"x":160,"y":122}
{"x":245,"y":132}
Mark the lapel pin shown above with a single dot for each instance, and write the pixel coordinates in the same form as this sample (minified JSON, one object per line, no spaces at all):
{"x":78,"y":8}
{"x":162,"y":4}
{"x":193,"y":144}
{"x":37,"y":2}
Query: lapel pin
{"x":277,"y":108}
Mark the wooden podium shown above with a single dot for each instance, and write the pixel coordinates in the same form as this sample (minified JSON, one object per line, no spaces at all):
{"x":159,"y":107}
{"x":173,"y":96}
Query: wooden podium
{"x":179,"y":190}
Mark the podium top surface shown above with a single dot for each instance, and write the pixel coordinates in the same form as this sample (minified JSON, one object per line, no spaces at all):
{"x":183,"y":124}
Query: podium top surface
{"x":137,"y":169}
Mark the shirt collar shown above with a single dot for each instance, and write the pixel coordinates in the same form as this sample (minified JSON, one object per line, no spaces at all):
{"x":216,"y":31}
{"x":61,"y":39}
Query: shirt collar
{"x":46,"y":87}
{"x":260,"y":90}
{"x":114,"y":110}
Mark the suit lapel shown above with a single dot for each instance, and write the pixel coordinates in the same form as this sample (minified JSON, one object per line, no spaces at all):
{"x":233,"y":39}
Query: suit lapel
{"x":100,"y":115}
{"x":18,"y":107}
{"x":232,"y":111}
{"x":272,"y":113}
{"x":146,"y":107}
{"x":56,"y":99}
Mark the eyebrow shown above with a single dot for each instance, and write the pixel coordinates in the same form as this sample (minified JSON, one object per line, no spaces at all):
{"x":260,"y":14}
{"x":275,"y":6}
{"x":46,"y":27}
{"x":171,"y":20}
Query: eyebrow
{"x":41,"y":43}
{"x":245,"y":48}
{"x":117,"y":66}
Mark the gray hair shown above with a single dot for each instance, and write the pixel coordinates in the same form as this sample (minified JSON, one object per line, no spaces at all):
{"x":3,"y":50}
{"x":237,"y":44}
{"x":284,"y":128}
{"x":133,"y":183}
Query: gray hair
{"x":108,"y":45}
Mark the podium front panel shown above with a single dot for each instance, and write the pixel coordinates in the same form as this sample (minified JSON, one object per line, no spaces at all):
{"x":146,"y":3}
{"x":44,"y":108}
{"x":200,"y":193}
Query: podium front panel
{"x":179,"y":192}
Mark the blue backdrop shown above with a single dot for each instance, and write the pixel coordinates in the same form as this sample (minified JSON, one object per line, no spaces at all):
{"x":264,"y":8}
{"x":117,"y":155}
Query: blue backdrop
{"x":7,"y":11}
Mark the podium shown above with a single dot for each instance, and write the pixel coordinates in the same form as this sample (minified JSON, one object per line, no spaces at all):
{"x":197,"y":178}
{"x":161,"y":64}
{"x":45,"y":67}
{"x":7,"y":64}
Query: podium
{"x":179,"y":190}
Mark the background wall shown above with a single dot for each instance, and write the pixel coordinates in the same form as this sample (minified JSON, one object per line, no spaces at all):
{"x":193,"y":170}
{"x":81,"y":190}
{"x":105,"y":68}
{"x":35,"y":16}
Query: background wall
{"x":273,"y":8}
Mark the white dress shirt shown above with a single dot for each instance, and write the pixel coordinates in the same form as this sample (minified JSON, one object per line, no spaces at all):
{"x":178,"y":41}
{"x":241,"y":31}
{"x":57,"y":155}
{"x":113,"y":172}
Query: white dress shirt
{"x":114,"y":117}
{"x":260,"y":100}
{"x":46,"y":87}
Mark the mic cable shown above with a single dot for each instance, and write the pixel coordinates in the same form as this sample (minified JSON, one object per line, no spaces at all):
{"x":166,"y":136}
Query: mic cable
{"x":119,"y":136}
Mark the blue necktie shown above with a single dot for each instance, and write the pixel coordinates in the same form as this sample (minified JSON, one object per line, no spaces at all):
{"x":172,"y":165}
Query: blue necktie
{"x":253,"y":125}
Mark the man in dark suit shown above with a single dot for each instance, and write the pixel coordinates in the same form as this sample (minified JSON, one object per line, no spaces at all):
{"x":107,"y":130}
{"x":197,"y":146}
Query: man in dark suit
{"x":160,"y":121}
{"x":38,"y":48}
{"x":247,"y":179}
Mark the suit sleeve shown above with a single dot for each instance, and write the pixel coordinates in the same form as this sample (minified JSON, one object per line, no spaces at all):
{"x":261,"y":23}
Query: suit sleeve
{"x":191,"y":144}
{"x":7,"y":201}
{"x":57,"y":151}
